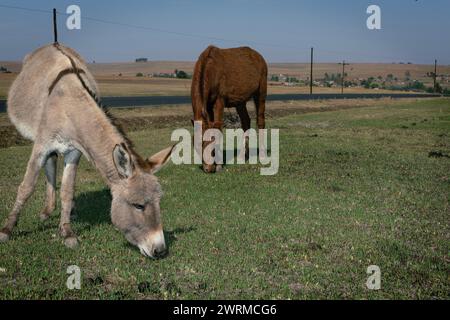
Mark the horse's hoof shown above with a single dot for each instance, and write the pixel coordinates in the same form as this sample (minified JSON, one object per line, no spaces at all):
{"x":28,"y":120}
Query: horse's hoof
{"x":71,"y":242}
{"x":219,"y":168}
{"x":44,"y":216}
{"x":209,"y":168}
{"x":3,"y":237}
{"x":263,"y":155}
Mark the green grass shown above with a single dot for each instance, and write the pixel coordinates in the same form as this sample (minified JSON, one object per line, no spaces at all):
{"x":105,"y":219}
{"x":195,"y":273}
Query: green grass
{"x":355,"y":188}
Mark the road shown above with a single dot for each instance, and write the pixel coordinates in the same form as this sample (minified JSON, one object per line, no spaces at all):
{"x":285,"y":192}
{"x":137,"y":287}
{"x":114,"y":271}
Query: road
{"x":149,"y":101}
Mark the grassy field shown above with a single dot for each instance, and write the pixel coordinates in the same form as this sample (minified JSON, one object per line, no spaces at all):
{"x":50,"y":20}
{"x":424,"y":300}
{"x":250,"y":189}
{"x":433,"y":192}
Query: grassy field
{"x":356,"y":187}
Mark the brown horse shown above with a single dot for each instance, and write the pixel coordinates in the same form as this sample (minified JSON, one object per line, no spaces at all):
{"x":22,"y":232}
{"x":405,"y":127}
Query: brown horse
{"x":228,"y":78}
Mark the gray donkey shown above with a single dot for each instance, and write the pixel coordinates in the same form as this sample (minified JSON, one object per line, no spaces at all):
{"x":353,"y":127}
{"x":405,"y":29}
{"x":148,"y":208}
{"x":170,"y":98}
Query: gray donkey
{"x":54,"y":102}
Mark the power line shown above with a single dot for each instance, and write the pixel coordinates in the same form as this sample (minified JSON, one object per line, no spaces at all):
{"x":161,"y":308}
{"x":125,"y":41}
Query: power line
{"x":25,"y":9}
{"x":149,"y":28}
{"x":198,"y":36}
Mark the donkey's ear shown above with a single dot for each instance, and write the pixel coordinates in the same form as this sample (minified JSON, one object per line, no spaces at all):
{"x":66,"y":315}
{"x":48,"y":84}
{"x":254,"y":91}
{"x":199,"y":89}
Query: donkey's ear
{"x":122,"y":161}
{"x":158,"y":160}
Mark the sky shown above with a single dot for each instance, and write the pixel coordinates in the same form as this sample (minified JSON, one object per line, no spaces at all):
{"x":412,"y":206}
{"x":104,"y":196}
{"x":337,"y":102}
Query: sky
{"x":281,"y":30}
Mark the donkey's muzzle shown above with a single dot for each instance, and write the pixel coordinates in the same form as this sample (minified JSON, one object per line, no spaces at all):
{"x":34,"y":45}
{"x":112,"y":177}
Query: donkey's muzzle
{"x":160,"y":251}
{"x":154,"y":245}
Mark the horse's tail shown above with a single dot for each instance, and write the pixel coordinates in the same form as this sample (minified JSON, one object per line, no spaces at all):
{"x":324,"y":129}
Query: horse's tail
{"x":199,"y":87}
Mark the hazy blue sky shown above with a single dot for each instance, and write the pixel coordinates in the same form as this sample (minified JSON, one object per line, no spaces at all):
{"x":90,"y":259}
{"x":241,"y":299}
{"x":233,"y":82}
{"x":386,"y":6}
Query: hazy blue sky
{"x":282,"y":30}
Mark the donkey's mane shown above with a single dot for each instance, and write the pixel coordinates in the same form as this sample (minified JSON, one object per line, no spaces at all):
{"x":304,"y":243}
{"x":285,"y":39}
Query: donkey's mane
{"x":75,"y":70}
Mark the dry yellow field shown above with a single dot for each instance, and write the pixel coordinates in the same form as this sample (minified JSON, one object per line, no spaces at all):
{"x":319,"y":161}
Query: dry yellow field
{"x":119,"y":79}
{"x":137,"y":86}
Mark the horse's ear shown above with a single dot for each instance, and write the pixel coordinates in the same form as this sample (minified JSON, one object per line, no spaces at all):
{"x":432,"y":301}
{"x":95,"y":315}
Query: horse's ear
{"x":122,"y":161}
{"x":158,"y":160}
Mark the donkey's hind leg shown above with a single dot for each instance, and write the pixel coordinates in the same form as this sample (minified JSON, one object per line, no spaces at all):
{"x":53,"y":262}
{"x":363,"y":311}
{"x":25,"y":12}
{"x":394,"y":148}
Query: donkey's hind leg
{"x":71,"y":160}
{"x":50,"y":197}
{"x":25,"y":190}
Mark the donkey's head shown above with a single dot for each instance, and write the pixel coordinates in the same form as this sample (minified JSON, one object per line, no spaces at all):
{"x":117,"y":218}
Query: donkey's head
{"x":135,"y":205}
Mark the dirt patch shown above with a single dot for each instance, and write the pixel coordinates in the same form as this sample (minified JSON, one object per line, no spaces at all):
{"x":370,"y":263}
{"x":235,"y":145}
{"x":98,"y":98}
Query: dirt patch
{"x":139,"y":119}
{"x":9,"y":136}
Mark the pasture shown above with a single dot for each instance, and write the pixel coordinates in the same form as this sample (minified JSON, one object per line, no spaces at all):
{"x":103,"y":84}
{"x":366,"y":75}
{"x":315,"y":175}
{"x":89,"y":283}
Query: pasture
{"x":356,"y":187}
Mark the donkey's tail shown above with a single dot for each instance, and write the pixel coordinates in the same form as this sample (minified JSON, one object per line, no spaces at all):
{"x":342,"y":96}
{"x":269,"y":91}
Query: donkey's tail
{"x":200,"y":88}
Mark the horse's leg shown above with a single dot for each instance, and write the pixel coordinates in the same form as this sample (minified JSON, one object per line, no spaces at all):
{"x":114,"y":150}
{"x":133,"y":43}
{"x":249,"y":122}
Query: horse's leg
{"x":215,"y":119}
{"x":199,"y":116}
{"x":50,"y":197}
{"x":245,"y":123}
{"x":71,"y":161}
{"x":208,"y":124}
{"x":244,"y":116}
{"x":26,"y":188}
{"x":260,"y":106}
{"x":219,"y":107}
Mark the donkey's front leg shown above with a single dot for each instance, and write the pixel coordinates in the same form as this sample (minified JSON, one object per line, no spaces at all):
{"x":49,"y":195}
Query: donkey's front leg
{"x":25,"y":190}
{"x":71,"y":161}
{"x":50,"y":197}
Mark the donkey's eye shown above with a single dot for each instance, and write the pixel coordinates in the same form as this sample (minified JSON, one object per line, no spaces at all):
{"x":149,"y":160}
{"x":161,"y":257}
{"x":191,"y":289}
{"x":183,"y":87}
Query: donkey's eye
{"x":140,"y":207}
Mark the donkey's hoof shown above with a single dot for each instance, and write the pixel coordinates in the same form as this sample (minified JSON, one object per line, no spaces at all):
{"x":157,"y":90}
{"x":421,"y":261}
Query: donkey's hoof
{"x":71,"y":242}
{"x":3,"y":237}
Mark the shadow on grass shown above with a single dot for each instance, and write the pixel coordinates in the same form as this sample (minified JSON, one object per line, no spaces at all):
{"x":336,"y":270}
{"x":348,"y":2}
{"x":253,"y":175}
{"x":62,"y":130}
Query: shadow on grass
{"x":169,"y":235}
{"x":93,"y":208}
{"x":230,"y":156}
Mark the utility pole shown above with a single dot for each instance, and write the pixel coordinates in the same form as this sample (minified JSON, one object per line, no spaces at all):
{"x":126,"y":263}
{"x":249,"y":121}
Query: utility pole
{"x":55,"y":27}
{"x":343,"y":75}
{"x":435,"y":75}
{"x":311,"y":73}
